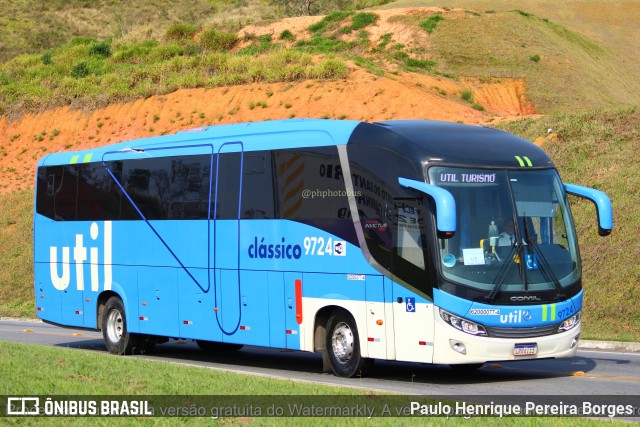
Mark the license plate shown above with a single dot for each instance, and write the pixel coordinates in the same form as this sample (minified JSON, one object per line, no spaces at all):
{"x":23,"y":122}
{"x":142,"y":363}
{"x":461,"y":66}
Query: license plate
{"x":525,"y":349}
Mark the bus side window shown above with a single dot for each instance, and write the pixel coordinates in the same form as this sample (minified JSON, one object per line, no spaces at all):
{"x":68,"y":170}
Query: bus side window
{"x":257,"y":186}
{"x":409,"y":244}
{"x":65,"y":194}
{"x":48,"y":177}
{"x":229,"y":185}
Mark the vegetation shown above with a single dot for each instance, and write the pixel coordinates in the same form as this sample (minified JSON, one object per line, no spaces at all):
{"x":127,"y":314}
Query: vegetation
{"x":597,"y":149}
{"x":87,"y":373}
{"x":89,"y":73}
{"x":430,"y":23}
{"x":31,"y":26}
{"x":16,"y":256}
{"x":581,"y":64}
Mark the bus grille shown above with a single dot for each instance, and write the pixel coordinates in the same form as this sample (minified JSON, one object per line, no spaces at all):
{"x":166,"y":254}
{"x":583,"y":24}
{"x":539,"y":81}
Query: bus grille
{"x":536,"y":331}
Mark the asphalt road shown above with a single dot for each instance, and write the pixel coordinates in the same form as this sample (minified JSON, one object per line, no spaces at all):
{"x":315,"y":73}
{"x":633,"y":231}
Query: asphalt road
{"x":589,"y":373}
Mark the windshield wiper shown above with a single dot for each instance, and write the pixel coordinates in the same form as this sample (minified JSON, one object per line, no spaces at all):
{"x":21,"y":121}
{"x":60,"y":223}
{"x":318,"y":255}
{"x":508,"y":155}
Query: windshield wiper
{"x":545,"y":267}
{"x":502,"y":273}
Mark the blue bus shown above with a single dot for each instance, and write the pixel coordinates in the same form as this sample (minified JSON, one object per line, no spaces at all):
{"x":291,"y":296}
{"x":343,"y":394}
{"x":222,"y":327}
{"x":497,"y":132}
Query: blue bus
{"x":416,"y":241}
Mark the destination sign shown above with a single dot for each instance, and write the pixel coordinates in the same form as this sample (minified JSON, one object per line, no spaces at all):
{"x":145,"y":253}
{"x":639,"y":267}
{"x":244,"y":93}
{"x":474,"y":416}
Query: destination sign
{"x":465,"y":178}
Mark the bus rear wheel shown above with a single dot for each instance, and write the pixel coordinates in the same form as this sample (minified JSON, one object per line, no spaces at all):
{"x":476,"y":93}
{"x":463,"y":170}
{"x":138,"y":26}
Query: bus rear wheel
{"x":343,"y":346}
{"x":114,"y":331}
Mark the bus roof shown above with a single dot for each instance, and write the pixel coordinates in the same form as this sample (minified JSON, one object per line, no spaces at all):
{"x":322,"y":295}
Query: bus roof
{"x":266,"y":135}
{"x":434,"y":142}
{"x":426,"y":141}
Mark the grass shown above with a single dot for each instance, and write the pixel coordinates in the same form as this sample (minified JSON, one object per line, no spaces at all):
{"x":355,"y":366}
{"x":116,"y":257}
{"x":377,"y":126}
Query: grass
{"x":566,"y":70}
{"x":431,"y":22}
{"x":586,"y":57}
{"x":30,"y":26}
{"x":16,"y":255}
{"x":512,"y":42}
{"x":141,"y":69}
{"x":90,"y":373}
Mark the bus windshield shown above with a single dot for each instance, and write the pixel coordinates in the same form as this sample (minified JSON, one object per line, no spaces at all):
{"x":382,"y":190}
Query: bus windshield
{"x":514,"y":231}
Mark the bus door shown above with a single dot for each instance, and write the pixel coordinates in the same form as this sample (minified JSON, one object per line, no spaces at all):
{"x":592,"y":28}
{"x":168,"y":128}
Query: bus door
{"x":229,"y":302}
{"x":412,"y":313}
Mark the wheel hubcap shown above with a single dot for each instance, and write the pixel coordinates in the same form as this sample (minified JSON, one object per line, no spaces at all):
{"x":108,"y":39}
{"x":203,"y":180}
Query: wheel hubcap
{"x":342,"y":342}
{"x":115,"y":326}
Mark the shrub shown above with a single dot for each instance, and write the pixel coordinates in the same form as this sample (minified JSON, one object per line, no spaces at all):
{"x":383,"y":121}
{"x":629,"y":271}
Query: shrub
{"x":523,"y":13}
{"x":166,"y":52}
{"x":287,"y":35}
{"x":216,"y":40}
{"x":46,"y":58}
{"x":467,"y":95}
{"x":180,"y":31}
{"x":192,"y":48}
{"x":430,"y":24}
{"x":419,"y":63}
{"x":81,"y":41}
{"x":318,"y":27}
{"x":102,"y":49}
{"x":535,"y":58}
{"x":135,"y":53}
{"x":80,"y":70}
{"x":321,"y":25}
{"x":362,"y":19}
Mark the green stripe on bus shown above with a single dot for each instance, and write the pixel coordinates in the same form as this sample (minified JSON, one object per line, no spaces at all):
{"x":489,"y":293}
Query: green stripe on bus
{"x":526,"y":159}
{"x":87,"y":158}
{"x":553,"y":312}
{"x":74,"y":159}
{"x":544,"y":313}
{"x":520,"y":161}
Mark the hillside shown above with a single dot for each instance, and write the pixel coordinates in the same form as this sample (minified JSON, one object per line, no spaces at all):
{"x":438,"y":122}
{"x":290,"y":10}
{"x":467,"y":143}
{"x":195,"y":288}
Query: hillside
{"x":375,"y":80}
{"x":422,"y":63}
{"x":363,"y":97}
{"x":32,"y":26}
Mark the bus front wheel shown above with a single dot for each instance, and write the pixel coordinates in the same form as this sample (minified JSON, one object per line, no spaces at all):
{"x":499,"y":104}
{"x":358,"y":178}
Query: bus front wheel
{"x":343,"y":346}
{"x":114,"y":330}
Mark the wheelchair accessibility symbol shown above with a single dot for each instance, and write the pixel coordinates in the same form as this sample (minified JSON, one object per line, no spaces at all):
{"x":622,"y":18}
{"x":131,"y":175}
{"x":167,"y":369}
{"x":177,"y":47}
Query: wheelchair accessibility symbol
{"x":411,"y":305}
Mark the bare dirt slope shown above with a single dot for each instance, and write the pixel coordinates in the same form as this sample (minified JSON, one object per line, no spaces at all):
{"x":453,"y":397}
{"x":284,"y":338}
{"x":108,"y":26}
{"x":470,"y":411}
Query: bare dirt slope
{"x":362,"y":96}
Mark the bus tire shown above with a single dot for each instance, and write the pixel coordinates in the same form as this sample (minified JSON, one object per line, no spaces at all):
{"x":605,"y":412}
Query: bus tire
{"x":114,"y":329}
{"x":343,"y":346}
{"x":213,"y":347}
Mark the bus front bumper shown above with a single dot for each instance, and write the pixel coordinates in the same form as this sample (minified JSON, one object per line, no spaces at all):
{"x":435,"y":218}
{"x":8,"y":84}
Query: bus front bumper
{"x":452,"y":346}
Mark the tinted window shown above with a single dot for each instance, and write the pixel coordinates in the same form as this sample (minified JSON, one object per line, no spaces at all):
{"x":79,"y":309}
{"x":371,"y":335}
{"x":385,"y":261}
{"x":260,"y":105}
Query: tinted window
{"x":160,"y":188}
{"x":257,"y":186}
{"x":310,"y":184}
{"x":310,"y":189}
{"x":185,"y":186}
{"x":56,"y":195}
{"x":147,"y":183}
{"x":229,"y":177}
{"x":99,"y":198}
{"x":392,"y":219}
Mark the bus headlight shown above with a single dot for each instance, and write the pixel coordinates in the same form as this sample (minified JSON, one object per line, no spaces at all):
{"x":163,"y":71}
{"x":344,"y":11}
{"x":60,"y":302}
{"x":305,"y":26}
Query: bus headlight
{"x":462,"y":324}
{"x":570,"y":323}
